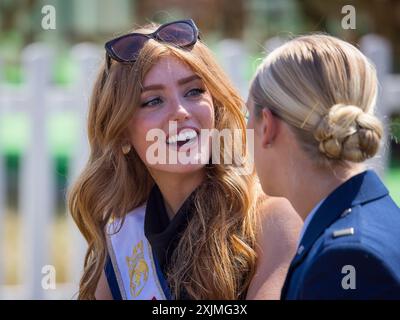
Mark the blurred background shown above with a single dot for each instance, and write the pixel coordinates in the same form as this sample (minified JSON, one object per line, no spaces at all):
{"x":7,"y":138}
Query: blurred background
{"x":46,"y":71}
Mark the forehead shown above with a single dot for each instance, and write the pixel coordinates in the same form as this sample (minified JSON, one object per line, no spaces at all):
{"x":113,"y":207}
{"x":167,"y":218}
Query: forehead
{"x":167,"y":69}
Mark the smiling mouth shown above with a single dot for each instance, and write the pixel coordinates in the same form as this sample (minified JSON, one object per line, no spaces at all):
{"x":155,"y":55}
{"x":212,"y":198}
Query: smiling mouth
{"x":185,"y":136}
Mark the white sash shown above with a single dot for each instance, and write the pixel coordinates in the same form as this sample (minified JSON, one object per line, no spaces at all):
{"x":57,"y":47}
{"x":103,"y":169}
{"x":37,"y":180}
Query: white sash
{"x":132,"y":258}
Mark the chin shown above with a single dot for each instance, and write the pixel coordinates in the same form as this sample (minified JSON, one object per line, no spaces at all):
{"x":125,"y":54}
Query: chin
{"x":179,"y":168}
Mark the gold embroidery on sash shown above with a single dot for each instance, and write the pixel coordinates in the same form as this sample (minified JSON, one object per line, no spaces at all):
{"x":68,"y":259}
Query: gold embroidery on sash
{"x":138,"y":270}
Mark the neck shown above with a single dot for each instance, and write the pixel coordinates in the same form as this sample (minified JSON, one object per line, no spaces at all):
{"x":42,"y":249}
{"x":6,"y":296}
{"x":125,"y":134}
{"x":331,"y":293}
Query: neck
{"x":176,"y":188}
{"x":310,"y":185}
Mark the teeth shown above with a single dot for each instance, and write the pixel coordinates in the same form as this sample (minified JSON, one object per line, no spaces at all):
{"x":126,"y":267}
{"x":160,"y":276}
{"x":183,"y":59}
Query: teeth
{"x":182,"y":136}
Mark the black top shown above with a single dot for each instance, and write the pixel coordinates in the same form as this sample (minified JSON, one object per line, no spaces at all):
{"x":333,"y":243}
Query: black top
{"x":163,"y":234}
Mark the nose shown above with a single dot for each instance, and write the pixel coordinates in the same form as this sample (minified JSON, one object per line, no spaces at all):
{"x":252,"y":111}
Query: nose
{"x":179,"y":111}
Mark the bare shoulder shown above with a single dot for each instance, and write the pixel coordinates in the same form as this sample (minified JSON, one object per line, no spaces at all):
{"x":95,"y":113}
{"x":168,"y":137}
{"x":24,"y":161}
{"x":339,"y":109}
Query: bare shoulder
{"x":277,"y":238}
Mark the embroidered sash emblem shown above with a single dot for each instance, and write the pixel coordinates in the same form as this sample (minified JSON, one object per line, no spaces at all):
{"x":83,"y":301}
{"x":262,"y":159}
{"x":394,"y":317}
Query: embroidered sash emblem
{"x":138,"y":270}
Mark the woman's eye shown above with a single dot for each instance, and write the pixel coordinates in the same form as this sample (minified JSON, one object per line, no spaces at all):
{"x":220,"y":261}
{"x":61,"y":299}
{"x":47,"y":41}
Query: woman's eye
{"x":195,"y":92}
{"x":152,"y":102}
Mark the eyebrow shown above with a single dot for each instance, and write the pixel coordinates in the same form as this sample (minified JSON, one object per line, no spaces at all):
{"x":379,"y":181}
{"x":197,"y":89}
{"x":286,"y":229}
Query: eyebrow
{"x":180,"y":82}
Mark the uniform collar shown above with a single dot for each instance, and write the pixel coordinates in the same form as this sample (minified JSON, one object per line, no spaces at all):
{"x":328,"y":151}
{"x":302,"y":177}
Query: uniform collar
{"x":359,"y":189}
{"x":308,"y":219}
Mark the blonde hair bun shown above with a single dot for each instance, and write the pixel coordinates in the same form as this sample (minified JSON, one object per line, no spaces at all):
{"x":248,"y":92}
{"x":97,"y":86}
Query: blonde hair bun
{"x":348,"y":133}
{"x":325,"y":89}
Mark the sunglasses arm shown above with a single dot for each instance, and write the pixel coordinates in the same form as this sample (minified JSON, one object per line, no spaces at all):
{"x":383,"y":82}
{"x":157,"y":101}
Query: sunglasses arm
{"x":108,"y":64}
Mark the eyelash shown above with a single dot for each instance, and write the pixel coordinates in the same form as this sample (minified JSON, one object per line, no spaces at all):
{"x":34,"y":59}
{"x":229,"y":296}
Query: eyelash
{"x":150,"y":102}
{"x":199,"y":92}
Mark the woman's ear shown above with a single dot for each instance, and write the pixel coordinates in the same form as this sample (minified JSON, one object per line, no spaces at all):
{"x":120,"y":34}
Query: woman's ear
{"x":268,"y":127}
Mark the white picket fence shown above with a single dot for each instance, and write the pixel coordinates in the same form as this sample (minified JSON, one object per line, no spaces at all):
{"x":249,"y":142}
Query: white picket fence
{"x":39,"y":99}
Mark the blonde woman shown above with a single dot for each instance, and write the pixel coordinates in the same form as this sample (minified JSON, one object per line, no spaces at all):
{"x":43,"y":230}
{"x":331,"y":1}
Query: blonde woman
{"x":312,"y":105}
{"x":168,"y":230}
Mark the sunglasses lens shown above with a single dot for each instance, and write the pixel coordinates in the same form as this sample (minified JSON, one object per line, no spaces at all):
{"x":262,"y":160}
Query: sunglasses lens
{"x":180,"y":33}
{"x":127,"y":48}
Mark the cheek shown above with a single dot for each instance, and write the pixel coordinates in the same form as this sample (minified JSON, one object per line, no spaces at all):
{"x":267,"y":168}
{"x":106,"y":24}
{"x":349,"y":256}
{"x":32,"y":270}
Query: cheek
{"x":204,"y":113}
{"x":259,"y":154}
{"x":250,"y":122}
{"x":210,"y":117}
{"x":252,"y":125}
{"x":139,"y":127}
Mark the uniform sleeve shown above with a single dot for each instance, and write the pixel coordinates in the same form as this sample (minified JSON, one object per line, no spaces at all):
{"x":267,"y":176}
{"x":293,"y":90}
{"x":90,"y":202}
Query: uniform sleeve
{"x":350,"y":272}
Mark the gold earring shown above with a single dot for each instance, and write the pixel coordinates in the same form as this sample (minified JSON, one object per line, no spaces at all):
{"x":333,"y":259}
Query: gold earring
{"x":126,"y":148}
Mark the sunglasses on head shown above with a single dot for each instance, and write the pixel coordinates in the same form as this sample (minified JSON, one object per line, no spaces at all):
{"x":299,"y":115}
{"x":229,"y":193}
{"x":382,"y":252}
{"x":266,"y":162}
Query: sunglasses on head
{"x":125,"y":49}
